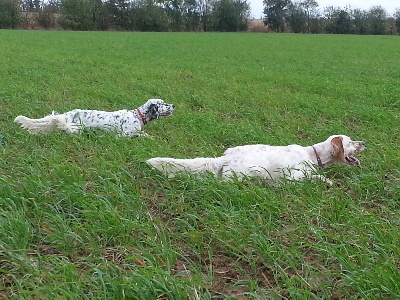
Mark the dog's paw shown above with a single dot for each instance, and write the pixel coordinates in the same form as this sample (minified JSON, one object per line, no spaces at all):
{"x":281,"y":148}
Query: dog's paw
{"x":328,"y":182}
{"x":144,"y":134}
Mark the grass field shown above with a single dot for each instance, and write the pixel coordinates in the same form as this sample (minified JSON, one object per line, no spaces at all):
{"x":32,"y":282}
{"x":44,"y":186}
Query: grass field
{"x":83,"y":217}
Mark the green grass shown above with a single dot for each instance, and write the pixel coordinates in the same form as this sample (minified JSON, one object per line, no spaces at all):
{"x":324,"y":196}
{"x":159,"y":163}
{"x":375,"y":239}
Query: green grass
{"x":83,"y":217}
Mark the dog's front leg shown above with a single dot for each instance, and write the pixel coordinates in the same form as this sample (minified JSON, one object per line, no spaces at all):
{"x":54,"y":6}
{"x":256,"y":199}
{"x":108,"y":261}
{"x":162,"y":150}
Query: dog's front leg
{"x":308,"y":173}
{"x":144,"y":134}
{"x":72,"y":128}
{"x":133,"y":134}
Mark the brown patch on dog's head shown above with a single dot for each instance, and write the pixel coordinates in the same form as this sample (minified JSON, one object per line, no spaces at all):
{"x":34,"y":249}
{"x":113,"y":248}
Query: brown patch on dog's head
{"x":337,"y":149}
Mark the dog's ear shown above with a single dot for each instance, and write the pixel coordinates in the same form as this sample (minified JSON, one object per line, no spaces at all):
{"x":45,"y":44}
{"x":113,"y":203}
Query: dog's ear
{"x":337,"y":149}
{"x":153,"y":112}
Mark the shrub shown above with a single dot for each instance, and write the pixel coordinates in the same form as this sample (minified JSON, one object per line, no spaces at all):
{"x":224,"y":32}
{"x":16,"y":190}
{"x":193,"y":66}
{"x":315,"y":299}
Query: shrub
{"x":10,"y":14}
{"x":146,"y":16}
{"x":80,"y":14}
{"x":47,"y":16}
{"x":397,"y":20}
{"x":230,"y":15}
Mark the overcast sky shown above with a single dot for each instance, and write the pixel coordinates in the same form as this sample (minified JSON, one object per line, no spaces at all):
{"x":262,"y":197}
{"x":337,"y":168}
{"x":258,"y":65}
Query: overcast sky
{"x":389,"y":5}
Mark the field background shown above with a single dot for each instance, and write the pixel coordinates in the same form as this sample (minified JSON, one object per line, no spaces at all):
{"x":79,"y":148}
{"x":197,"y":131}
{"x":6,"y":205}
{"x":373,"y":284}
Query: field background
{"x":82,"y":217}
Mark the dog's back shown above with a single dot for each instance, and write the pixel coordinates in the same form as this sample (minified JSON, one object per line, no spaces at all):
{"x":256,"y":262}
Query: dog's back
{"x":250,"y":160}
{"x":265,"y":161}
{"x":107,"y":120}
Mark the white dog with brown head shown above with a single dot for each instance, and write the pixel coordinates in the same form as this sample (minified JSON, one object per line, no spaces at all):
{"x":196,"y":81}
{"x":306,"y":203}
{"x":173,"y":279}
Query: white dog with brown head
{"x":293,"y":162}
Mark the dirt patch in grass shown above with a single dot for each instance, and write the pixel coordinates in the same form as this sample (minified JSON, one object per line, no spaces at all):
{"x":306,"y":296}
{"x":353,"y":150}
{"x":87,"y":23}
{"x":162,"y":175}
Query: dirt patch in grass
{"x":230,"y":277}
{"x":224,"y":275}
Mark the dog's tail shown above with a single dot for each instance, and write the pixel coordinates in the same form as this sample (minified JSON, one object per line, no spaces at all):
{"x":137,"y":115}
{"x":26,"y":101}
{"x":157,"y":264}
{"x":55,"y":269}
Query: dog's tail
{"x":42,"y":125}
{"x":171,"y":166}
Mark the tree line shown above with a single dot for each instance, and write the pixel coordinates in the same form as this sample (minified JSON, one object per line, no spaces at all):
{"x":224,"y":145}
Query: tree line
{"x":132,"y":15}
{"x":196,"y":15}
{"x":305,"y":17}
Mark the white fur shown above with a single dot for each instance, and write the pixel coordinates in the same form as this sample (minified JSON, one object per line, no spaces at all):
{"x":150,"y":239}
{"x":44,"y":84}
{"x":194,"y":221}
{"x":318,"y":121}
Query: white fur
{"x":293,"y":162}
{"x":125,"y":122}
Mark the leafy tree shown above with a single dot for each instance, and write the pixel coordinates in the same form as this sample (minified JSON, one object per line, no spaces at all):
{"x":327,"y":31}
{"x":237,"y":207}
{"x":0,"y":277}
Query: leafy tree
{"x":339,"y":21}
{"x":192,"y":15}
{"x":275,"y":14}
{"x":397,"y":20}
{"x":80,"y":14}
{"x":205,"y":9}
{"x":102,"y":15}
{"x":343,"y":23}
{"x":147,"y":16}
{"x":174,"y":10}
{"x":10,"y":13}
{"x":118,"y":12}
{"x":360,"y":23}
{"x":230,"y":15}
{"x":297,"y":17}
{"x":377,"y":20}
{"x":309,"y":6}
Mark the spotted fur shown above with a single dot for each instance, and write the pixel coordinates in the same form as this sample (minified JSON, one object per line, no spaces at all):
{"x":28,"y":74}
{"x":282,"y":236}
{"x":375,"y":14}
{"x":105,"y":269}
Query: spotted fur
{"x":127,"y":123}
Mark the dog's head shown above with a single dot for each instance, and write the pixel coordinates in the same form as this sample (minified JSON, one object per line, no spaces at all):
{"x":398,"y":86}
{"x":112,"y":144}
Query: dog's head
{"x":343,"y":149}
{"x":155,"y":108}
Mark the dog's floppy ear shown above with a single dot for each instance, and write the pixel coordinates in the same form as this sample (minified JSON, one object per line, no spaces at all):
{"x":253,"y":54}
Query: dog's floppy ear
{"x":153,"y":112}
{"x":337,"y":148}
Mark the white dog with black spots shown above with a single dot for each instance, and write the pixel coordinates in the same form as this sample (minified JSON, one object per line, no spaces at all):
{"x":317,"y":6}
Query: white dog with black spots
{"x":127,"y":123}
